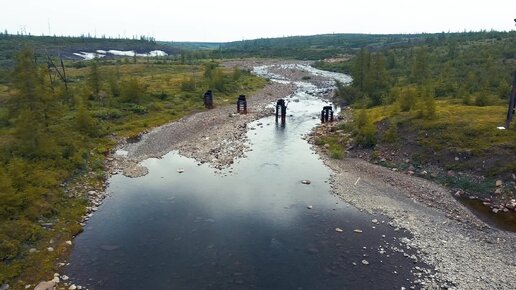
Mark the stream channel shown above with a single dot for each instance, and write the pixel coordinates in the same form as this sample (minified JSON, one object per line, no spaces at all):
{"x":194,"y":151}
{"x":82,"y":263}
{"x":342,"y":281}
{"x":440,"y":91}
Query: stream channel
{"x":252,"y":226}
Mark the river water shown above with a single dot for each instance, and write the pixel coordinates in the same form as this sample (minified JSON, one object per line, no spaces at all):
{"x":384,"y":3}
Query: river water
{"x":252,"y":226}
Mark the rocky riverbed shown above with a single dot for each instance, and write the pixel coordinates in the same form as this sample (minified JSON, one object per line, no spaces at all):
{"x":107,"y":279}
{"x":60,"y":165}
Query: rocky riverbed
{"x":466,"y":253}
{"x":215,"y":136}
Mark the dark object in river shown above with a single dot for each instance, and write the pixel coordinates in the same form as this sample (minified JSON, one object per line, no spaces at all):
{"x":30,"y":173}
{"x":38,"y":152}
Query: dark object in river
{"x":281,"y":110}
{"x":327,"y":114}
{"x":208,"y":99}
{"x":512,"y":103}
{"x":241,"y":105}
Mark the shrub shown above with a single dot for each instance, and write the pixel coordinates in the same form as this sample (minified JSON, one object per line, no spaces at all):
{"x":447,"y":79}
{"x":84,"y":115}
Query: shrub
{"x":482,"y":99}
{"x":391,"y":135}
{"x":365,"y":133}
{"x":407,"y":99}
{"x":188,"y":85}
{"x":132,"y":91}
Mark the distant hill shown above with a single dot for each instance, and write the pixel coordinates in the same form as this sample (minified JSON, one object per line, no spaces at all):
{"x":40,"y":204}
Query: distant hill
{"x":192,"y":45}
{"x":315,"y":47}
{"x":67,"y":46}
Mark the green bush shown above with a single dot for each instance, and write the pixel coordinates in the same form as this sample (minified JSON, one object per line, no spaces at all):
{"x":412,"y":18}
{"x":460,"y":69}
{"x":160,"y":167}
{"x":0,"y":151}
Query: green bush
{"x":391,"y":135}
{"x":188,"y":85}
{"x":482,"y":99}
{"x":365,"y":133}
{"x":107,"y":114}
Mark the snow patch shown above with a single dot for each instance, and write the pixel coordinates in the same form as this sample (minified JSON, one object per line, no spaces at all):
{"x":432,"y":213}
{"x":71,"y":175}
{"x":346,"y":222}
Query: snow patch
{"x":102,"y":53}
{"x":88,"y":55}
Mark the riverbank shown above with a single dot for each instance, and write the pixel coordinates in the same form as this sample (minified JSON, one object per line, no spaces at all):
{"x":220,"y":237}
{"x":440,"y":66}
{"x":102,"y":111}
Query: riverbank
{"x":466,"y":253}
{"x":214,"y":136}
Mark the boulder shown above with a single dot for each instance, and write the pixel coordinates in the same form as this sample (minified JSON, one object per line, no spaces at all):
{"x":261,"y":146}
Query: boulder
{"x":45,"y":285}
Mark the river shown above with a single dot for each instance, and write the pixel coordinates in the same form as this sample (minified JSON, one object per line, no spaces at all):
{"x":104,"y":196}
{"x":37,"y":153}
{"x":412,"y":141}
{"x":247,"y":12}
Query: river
{"x":252,"y":226}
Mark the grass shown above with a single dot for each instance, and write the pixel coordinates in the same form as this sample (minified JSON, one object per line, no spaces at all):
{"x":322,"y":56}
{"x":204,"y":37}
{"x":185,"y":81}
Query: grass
{"x":456,"y":131}
{"x":456,"y":127}
{"x":469,"y":132}
{"x":335,"y":147}
{"x":165,"y":80}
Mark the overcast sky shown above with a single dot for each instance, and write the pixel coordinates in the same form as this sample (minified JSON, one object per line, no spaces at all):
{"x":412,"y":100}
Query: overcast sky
{"x":224,"y":20}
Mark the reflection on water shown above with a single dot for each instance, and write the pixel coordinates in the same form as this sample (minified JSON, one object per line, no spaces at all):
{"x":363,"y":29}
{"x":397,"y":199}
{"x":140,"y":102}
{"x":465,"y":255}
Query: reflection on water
{"x":502,"y":220}
{"x":250,"y":227}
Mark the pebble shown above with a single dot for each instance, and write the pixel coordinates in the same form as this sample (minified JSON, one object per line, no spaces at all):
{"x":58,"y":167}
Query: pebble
{"x":365,"y":262}
{"x":50,"y":249}
{"x":309,"y":207}
{"x":357,"y":231}
{"x":69,"y":243}
{"x":338,"y":230}
{"x":72,"y":287}
{"x":180,"y":170}
{"x":305,"y":181}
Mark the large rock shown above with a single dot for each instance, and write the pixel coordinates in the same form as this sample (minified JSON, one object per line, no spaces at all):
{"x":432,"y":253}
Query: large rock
{"x":45,"y":285}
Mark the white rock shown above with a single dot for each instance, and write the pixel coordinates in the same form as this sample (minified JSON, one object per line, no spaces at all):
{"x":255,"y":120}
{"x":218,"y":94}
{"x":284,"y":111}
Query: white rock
{"x":69,"y":243}
{"x":64,"y":277}
{"x":180,"y":170}
{"x":309,"y":207}
{"x":305,"y":181}
{"x":56,"y":279}
{"x":338,"y":230}
{"x":32,"y":250}
{"x":50,"y":249}
{"x":365,"y":262}
{"x":72,"y":287}
{"x":357,"y":231}
{"x":45,"y":285}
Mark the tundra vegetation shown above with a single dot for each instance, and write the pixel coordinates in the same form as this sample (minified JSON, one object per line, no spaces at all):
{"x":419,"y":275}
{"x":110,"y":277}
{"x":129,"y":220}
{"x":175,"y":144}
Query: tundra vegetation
{"x":437,"y":103}
{"x":53,"y":138}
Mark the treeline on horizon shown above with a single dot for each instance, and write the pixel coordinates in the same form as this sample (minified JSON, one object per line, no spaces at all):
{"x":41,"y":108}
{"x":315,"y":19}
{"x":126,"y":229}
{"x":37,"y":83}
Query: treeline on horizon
{"x":314,"y":47}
